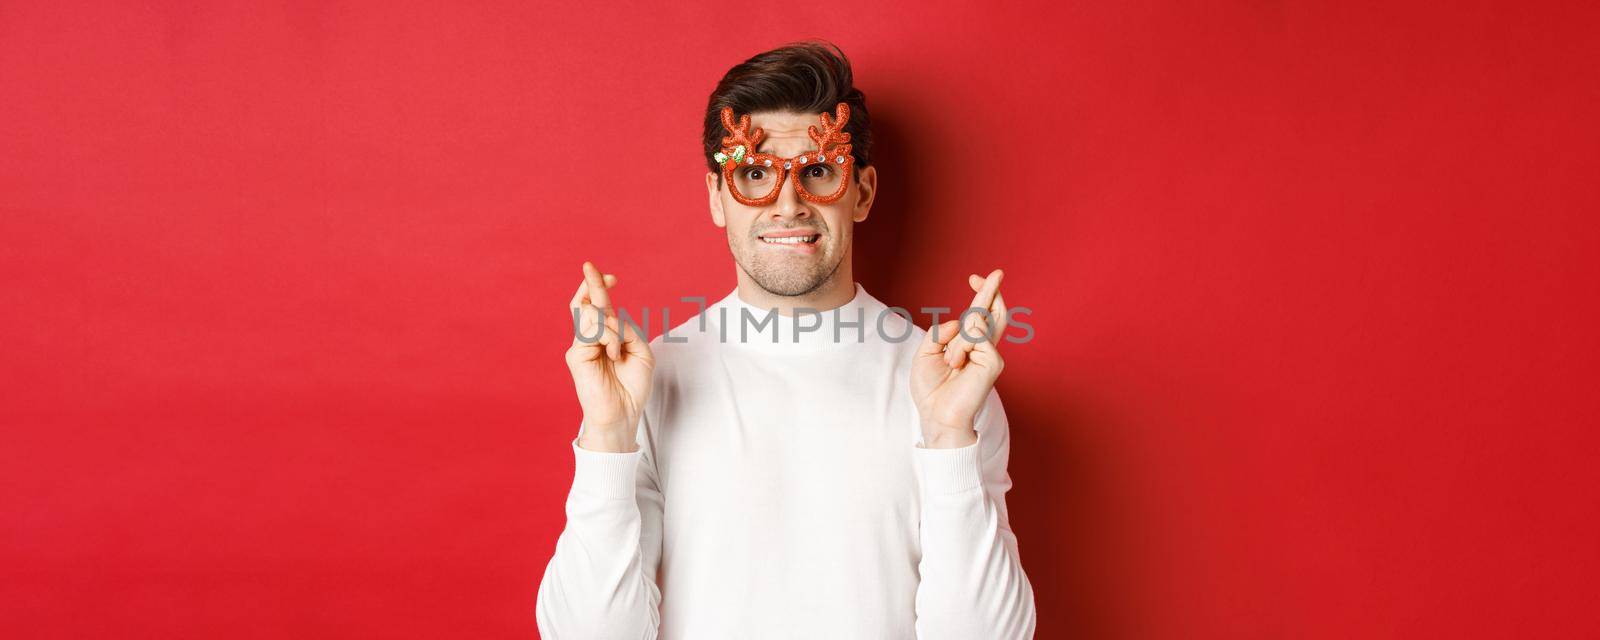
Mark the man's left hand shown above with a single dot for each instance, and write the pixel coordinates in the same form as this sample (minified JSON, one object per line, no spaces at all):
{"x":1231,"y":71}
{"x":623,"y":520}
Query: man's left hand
{"x":956,"y":367}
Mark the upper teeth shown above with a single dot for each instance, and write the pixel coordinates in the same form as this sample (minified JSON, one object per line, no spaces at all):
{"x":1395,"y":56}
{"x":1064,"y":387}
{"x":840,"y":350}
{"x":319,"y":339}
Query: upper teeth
{"x":789,"y":240}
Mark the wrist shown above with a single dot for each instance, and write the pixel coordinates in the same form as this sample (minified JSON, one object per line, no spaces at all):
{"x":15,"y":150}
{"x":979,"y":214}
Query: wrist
{"x":608,"y":438}
{"x":607,"y":443}
{"x":939,"y":436}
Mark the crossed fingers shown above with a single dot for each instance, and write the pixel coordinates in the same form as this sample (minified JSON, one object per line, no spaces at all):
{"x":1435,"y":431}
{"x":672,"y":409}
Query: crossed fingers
{"x":591,"y":304}
{"x":974,"y":325}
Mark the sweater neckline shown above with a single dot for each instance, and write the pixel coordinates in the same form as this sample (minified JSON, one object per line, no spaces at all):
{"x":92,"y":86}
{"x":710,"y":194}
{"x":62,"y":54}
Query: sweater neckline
{"x":740,"y":324}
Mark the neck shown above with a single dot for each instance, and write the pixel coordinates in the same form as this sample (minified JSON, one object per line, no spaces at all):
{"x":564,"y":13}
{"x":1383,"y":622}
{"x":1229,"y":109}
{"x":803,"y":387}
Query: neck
{"x":839,"y":289}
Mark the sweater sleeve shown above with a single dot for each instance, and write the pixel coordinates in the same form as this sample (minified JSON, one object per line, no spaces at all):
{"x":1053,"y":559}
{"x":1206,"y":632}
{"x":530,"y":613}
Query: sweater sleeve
{"x":601,"y":582}
{"x":972,"y":583}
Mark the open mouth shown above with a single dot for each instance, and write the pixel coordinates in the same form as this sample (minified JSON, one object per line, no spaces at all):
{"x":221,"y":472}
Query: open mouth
{"x":810,"y":239}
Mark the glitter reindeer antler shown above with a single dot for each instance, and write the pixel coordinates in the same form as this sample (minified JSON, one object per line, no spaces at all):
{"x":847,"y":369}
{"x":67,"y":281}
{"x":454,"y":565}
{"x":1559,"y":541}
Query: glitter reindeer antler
{"x":832,"y":133}
{"x":740,"y":141}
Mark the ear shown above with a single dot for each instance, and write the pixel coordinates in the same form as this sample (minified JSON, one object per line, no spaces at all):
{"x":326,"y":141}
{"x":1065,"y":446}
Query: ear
{"x":866,"y":190}
{"x":715,"y":195}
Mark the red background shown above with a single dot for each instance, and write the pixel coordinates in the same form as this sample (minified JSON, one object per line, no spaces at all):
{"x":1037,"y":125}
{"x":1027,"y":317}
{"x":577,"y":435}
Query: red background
{"x":1313,"y":284}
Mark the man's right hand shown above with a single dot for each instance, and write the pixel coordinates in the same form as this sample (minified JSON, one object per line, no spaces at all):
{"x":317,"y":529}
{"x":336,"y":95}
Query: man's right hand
{"x":612,"y":374}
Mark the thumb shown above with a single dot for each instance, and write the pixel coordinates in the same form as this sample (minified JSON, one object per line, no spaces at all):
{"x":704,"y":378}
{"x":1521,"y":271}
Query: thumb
{"x":633,"y":342}
{"x":938,"y":336}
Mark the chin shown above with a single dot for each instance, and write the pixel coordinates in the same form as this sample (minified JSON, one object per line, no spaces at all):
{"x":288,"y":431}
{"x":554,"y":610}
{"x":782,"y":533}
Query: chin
{"x":786,"y":275}
{"x":789,"y":288}
{"x":792,"y":280}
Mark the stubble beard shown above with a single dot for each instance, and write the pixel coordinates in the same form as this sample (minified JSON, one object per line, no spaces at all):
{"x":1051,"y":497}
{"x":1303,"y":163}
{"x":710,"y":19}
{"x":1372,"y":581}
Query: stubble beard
{"x":781,"y":275}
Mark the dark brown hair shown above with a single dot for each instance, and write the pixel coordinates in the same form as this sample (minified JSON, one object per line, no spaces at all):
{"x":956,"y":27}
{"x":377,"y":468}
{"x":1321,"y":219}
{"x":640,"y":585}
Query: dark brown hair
{"x":803,"y":77}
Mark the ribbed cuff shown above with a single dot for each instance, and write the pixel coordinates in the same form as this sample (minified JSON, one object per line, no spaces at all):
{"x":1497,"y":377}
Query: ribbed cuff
{"x":605,"y":474}
{"x":949,"y":470}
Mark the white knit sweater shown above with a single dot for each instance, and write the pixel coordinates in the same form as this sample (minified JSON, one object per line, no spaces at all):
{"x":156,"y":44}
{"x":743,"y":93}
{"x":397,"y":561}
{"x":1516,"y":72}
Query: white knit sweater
{"x":781,"y":490}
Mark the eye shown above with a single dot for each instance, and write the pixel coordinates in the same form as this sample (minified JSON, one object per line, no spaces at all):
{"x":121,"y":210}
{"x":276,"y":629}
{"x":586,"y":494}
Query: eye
{"x":755,"y":174}
{"x":818,"y":171}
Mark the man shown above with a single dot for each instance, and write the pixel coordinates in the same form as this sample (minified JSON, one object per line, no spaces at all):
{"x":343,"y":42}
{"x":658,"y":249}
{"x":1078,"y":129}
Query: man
{"x":839,"y":474}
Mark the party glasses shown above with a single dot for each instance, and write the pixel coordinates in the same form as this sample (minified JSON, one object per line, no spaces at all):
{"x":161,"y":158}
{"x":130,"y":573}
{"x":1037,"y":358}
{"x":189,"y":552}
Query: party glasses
{"x":754,"y":178}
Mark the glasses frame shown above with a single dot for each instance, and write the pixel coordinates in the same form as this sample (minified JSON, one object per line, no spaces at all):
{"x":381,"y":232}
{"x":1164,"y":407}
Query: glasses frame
{"x":832,"y":147}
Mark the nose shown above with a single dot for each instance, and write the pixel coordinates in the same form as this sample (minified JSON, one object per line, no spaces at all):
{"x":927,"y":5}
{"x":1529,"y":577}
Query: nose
{"x":789,"y":205}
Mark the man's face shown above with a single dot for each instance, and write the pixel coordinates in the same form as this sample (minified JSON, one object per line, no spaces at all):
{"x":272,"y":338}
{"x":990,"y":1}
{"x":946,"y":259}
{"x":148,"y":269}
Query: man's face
{"x":763,"y":239}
